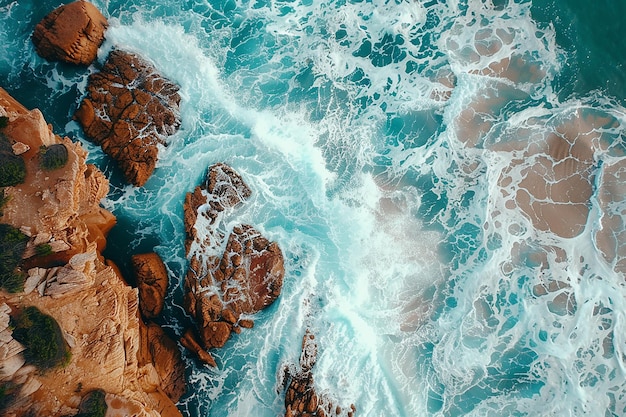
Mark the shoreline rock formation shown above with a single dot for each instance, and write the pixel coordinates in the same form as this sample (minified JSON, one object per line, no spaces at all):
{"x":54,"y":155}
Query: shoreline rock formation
{"x":223,"y":290}
{"x":137,"y":366}
{"x":71,"y":33}
{"x":301,"y":399}
{"x":130,"y":109}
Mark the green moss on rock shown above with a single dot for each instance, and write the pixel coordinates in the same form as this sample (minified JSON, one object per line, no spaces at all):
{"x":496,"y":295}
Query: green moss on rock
{"x":12,"y":247}
{"x":8,"y":393}
{"x":4,"y":122}
{"x":43,"y":250}
{"x":12,"y":169}
{"x":4,"y":199}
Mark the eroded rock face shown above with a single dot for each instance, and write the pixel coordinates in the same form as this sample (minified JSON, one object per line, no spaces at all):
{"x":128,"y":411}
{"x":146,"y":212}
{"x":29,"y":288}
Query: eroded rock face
{"x":59,"y":207}
{"x":129,"y":110}
{"x":163,"y":354}
{"x":71,"y":33}
{"x":221,"y":290}
{"x":152,"y":281}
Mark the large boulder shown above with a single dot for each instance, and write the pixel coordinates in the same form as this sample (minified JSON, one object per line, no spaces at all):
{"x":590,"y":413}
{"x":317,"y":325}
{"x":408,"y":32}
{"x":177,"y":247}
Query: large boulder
{"x":129,"y":110}
{"x":71,"y":33}
{"x":152,"y":281}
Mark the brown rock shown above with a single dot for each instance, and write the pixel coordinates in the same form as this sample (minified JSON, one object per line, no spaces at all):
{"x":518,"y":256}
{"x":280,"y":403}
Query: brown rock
{"x":223,"y":188}
{"x":251,"y":271}
{"x":189,"y":341}
{"x":215,"y":334}
{"x":301,"y":399}
{"x":165,"y":357}
{"x":128,"y":111}
{"x":208,"y":308}
{"x":246,"y":323}
{"x":245,"y":279}
{"x":192,"y":202}
{"x":71,"y":33}
{"x":152,"y":281}
{"x":226,"y":186}
{"x":229,"y":316}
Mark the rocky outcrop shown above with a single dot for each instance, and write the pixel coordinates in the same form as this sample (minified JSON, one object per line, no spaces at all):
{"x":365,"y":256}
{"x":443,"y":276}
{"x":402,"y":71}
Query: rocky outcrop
{"x":301,"y":399}
{"x":223,"y":188}
{"x":152,"y":281}
{"x":250,"y":272}
{"x":71,"y":33}
{"x":130,"y":110}
{"x":98,"y":313}
{"x":57,"y":207}
{"x":222,"y":291}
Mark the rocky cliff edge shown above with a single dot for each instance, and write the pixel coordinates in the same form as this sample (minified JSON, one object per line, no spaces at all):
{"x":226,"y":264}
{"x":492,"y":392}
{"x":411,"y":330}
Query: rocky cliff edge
{"x":111,"y":349}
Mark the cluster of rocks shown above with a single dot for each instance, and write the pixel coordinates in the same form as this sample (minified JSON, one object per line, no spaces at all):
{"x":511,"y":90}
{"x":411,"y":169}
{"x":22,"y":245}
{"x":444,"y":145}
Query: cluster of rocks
{"x":130,"y":111}
{"x":301,"y":399}
{"x":113,"y":351}
{"x":222,"y":291}
{"x":130,"y":108}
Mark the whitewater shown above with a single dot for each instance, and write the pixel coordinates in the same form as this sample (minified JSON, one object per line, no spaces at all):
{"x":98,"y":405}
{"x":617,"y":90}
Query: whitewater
{"x":450,"y":211}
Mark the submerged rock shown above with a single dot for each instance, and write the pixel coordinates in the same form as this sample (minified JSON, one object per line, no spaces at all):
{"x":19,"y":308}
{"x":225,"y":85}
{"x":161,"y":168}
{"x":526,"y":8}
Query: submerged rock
{"x":129,"y":110}
{"x":71,"y":33}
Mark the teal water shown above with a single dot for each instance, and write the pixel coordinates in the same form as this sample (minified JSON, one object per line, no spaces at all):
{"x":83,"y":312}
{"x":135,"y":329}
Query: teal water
{"x":407,"y":156}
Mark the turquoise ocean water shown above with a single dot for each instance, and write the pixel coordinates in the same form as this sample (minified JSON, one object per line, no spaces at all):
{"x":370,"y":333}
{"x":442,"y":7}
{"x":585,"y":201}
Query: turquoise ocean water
{"x":446,"y":180}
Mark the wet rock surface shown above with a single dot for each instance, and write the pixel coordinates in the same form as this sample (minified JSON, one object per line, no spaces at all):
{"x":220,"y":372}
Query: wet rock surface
{"x":130,"y":110}
{"x":301,"y":399}
{"x":152,"y":281}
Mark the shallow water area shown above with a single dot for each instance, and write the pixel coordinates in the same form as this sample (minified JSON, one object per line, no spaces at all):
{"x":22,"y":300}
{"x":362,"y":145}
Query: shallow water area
{"x":451,"y":213}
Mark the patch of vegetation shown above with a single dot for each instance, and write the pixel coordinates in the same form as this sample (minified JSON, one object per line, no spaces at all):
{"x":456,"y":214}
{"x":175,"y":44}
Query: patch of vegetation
{"x":12,"y":247}
{"x":4,"y":199}
{"x":93,"y":404}
{"x":4,"y":122}
{"x":43,"y":249}
{"x":53,"y":156}
{"x":12,"y":169}
{"x":42,"y":337}
{"x":8,"y":391}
